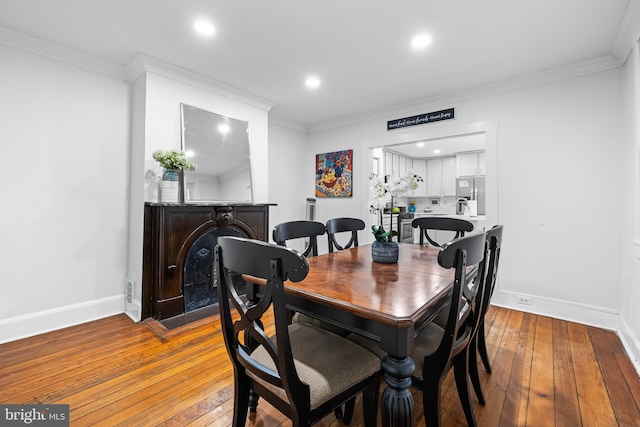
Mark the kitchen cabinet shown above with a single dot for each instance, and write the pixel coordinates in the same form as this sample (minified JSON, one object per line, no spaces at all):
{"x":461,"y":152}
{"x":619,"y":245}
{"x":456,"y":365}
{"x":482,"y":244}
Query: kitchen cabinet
{"x":441,"y":177}
{"x":419,"y":167}
{"x":470,"y":164}
{"x":395,"y":164}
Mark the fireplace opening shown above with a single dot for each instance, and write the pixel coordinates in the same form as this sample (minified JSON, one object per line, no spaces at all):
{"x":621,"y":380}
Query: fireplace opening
{"x":199,"y":290}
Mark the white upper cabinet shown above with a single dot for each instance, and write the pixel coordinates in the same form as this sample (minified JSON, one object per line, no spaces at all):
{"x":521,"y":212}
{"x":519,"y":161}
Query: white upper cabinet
{"x":420,"y":169}
{"x":449,"y":176}
{"x":470,"y":164}
{"x":388,"y":163}
{"x":395,"y":164}
{"x":441,"y":177}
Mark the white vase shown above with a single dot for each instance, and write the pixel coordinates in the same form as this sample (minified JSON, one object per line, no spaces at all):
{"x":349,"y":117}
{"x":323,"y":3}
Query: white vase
{"x":170,"y":186}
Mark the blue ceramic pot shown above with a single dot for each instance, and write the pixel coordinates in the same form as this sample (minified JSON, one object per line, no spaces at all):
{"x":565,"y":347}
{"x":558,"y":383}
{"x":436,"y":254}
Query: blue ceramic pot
{"x":171,"y":175}
{"x":384,"y":252}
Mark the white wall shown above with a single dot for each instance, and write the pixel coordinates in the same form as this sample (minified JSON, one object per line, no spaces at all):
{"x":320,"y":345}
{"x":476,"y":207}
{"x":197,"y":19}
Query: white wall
{"x":630,"y":242}
{"x":291,"y":175}
{"x":63,"y":221}
{"x":559,"y":157}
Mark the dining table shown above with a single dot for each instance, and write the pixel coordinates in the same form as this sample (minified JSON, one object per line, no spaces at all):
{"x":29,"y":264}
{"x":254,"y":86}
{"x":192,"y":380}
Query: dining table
{"x":385,"y":302}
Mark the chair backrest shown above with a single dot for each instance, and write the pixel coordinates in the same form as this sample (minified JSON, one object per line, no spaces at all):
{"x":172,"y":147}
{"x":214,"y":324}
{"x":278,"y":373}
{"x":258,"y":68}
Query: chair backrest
{"x":494,"y":241}
{"x":339,"y":225}
{"x":297,"y":230}
{"x":460,"y":226}
{"x":461,"y":254}
{"x":272,"y":265}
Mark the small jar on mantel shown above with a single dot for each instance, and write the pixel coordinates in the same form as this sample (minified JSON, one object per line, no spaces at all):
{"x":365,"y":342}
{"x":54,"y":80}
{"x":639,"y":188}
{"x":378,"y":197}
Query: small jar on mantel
{"x":170,"y":186}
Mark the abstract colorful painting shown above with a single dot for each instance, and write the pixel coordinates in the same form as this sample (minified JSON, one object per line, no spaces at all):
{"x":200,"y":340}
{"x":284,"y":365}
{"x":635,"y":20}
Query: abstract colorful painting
{"x":333,"y":174}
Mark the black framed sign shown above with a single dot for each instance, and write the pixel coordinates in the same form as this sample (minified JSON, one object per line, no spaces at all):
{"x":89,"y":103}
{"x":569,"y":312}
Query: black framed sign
{"x":421,"y":119}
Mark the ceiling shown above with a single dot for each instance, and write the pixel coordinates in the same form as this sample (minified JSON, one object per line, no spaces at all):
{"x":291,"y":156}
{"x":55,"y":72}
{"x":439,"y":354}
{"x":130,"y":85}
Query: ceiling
{"x":445,"y":146}
{"x":359,"y":49}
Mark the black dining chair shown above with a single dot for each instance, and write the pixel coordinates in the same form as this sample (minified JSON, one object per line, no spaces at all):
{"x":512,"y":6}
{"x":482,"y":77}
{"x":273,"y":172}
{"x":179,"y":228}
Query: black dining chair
{"x":460,"y":226}
{"x":293,"y":230}
{"x":478,"y":344}
{"x":494,"y":237}
{"x":340,"y":225}
{"x":436,"y":349}
{"x":303,"y":371}
{"x":286,"y":231}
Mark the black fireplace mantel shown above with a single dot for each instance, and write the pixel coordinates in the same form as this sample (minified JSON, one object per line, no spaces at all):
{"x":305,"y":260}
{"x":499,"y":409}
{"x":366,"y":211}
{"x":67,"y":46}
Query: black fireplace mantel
{"x":170,"y":232}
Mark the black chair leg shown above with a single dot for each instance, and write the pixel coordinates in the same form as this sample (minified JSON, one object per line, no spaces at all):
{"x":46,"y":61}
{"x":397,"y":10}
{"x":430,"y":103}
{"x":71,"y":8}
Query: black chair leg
{"x":241,"y":403}
{"x":482,"y":348}
{"x":338,"y":413}
{"x":431,"y":402}
{"x":460,"y":371}
{"x":347,"y":414}
{"x":369,"y":404}
{"x":473,"y":371}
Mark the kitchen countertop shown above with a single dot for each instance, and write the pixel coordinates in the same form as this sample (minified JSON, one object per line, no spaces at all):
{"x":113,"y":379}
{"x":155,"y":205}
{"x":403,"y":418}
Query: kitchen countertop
{"x":445,"y":215}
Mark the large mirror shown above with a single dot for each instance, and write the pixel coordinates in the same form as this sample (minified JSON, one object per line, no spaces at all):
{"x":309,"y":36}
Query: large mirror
{"x":219,"y":145}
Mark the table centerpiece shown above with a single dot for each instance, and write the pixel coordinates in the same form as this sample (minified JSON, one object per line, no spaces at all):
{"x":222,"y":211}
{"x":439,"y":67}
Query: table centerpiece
{"x":382,"y":191}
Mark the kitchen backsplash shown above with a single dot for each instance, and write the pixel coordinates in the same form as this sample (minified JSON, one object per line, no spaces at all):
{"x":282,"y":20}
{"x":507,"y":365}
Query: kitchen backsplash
{"x":447,"y":205}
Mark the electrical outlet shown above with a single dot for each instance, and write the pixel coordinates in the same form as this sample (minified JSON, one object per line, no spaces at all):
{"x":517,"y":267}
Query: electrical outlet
{"x":524,"y":300}
{"x":129,"y":290}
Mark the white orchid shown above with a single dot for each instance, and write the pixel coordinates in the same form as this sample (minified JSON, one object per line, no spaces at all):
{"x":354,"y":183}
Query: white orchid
{"x":381,"y":192}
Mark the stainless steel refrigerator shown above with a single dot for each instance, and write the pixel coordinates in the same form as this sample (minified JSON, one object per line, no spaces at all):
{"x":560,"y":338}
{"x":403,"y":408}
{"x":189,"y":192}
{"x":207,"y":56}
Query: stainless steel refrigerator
{"x":472,"y":188}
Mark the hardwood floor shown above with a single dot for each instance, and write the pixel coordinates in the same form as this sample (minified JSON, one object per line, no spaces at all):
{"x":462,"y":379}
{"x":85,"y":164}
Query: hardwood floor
{"x":114,"y":372}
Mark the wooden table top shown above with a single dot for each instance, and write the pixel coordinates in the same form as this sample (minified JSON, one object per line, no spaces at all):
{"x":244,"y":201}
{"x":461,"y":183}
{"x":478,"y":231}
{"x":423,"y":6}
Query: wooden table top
{"x":400,"y":294}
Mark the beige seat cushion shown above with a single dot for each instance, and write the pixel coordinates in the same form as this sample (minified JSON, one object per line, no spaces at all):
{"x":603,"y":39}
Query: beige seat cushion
{"x":303,"y":318}
{"x":425,"y":343}
{"x":372,"y":345}
{"x":328,"y":363}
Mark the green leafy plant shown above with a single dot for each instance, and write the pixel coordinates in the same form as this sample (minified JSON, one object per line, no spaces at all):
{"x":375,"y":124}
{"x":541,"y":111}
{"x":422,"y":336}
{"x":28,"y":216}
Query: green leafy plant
{"x":173,"y":159}
{"x":381,"y":235}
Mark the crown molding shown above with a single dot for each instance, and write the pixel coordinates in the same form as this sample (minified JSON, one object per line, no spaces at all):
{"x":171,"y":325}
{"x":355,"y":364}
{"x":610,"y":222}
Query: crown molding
{"x":277,"y":120}
{"x":142,"y":63}
{"x":629,"y":31}
{"x":61,"y":53}
{"x":603,"y":63}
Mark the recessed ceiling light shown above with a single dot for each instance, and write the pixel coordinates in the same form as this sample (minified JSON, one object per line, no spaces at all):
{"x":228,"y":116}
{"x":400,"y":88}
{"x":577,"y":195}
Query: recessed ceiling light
{"x":204,"y":28}
{"x":420,"y":144}
{"x":224,"y":128}
{"x":421,"y":41}
{"x":436,"y":151}
{"x":312,"y":82}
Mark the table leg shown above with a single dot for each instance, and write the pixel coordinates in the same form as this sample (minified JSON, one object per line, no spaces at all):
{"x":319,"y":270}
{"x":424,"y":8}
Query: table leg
{"x":397,"y":401}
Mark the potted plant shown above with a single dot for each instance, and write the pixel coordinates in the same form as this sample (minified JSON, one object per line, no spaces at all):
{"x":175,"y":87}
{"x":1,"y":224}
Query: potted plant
{"x":382,"y":192}
{"x":384,"y":249}
{"x":173,"y":162}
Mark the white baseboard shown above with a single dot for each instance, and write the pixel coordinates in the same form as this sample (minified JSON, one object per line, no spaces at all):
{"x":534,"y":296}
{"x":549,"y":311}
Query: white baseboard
{"x":15,"y":328}
{"x":133,"y":309}
{"x":631,"y":343}
{"x":565,"y":310}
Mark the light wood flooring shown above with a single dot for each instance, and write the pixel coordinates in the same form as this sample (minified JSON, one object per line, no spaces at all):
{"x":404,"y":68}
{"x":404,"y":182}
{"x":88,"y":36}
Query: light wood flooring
{"x":112,"y":372}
